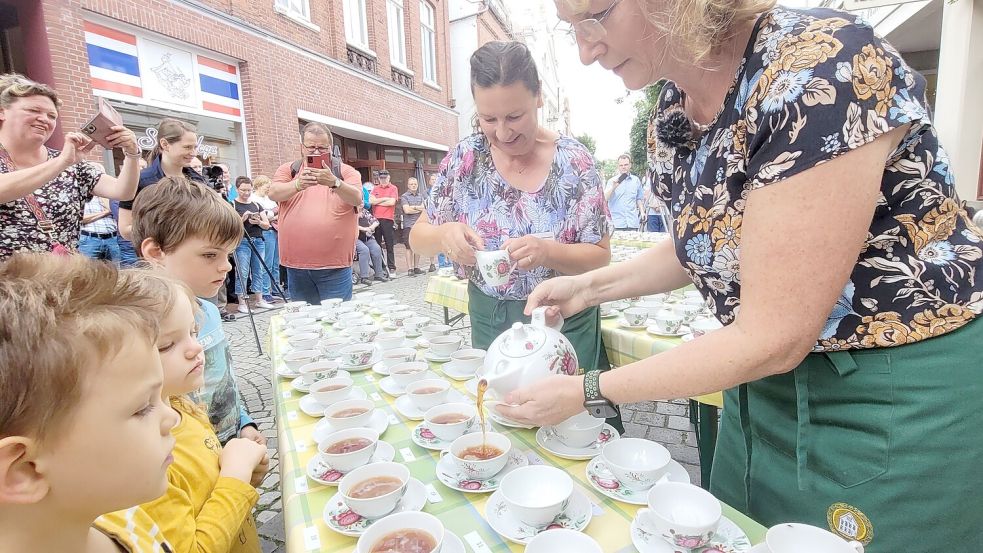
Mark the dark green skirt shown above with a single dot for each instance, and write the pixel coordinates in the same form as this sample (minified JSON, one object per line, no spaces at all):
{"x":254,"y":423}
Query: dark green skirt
{"x":884,"y":446}
{"x":491,"y":317}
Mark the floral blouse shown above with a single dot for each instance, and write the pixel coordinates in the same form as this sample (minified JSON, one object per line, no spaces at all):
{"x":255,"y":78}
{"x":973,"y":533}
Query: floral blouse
{"x":570,"y":206}
{"x":813,"y":85}
{"x":63,"y":202}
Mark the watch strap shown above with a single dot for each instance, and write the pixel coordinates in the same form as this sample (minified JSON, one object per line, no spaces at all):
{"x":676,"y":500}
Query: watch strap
{"x":592,"y":387}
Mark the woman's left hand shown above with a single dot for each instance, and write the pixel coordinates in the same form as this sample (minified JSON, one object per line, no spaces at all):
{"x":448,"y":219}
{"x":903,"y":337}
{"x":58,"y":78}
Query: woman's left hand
{"x":551,"y":400}
{"x":528,"y":252}
{"x":124,"y":139}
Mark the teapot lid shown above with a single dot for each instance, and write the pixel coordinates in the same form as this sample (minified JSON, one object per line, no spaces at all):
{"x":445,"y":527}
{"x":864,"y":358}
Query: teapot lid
{"x":522,"y":340}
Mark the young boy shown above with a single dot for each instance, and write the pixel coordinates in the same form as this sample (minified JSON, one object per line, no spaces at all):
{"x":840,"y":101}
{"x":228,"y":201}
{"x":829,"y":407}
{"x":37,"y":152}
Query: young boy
{"x":83,"y":428}
{"x":188,"y":231}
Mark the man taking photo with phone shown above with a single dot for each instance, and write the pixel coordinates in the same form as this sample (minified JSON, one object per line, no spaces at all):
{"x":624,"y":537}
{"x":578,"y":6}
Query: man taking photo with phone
{"x":318,"y":197}
{"x":626,"y":196}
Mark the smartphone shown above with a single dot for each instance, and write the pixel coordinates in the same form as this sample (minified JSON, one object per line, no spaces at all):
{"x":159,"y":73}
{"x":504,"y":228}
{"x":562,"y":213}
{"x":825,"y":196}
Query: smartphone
{"x":98,"y":128}
{"x":319,"y":161}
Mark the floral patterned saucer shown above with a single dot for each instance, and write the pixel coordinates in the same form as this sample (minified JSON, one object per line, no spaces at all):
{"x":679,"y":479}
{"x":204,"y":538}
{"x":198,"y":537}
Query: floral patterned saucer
{"x":605,"y":482}
{"x":729,"y":538}
{"x":324,"y":474}
{"x":343,"y":520}
{"x":425,"y":438}
{"x":313,"y":408}
{"x":576,"y":515}
{"x":379,"y":421}
{"x":548,"y":440}
{"x":450,"y":476}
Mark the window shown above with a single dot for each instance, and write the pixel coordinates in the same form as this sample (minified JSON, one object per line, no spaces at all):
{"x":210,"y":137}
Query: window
{"x":294,"y":8}
{"x":428,"y":42}
{"x":397,"y":36}
{"x":356,"y":28}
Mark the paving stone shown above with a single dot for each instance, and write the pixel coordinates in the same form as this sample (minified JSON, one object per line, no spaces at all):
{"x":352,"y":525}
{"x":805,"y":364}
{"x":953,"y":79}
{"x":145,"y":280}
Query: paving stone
{"x":678,"y":423}
{"x":268,"y":498}
{"x":666,"y":436}
{"x":264,"y":517}
{"x":672,"y":409}
{"x":684,"y":454}
{"x":273,"y":529}
{"x":649,"y":419}
{"x":268,"y":546}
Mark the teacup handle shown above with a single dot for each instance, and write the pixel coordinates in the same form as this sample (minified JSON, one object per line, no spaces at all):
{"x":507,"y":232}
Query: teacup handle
{"x":539,"y":318}
{"x":444,"y":452}
{"x":857,"y":546}
{"x":643,"y":515}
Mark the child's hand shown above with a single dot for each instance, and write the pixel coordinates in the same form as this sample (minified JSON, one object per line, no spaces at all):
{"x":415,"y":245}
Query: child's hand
{"x":250,"y":433}
{"x":259,"y":472}
{"x":240,"y":457}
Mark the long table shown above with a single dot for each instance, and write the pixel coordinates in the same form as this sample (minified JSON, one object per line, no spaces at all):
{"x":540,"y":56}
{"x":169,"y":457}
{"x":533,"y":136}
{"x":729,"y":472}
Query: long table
{"x":304,"y":500}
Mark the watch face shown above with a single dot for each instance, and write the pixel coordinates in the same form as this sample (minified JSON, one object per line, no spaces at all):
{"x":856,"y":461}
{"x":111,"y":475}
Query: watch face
{"x":601,"y":409}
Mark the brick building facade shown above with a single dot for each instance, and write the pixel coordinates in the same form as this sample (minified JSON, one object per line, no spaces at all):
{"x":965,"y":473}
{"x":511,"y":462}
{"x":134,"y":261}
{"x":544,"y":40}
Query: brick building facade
{"x":248,"y":72}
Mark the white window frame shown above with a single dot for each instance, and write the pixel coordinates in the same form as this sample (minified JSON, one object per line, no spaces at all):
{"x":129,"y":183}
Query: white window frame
{"x":428,"y":41}
{"x":396,"y":19}
{"x":356,"y":24}
{"x":297,"y":9}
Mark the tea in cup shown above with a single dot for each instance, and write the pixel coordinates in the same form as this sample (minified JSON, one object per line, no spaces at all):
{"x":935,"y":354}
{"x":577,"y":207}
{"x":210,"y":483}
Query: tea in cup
{"x":318,"y":370}
{"x":563,"y":539}
{"x":432,"y":331}
{"x":411,"y":531}
{"x":536,"y":494}
{"x":635,"y":316}
{"x":404,"y":374}
{"x":349,"y":449}
{"x":494,"y":266}
{"x":413,"y":325}
{"x":373,"y":491}
{"x":684,"y":515}
{"x":357,"y":355}
{"x":444,"y":346}
{"x":331,"y":390}
{"x":638,"y":464}
{"x":393,"y":357}
{"x":469,"y":359}
{"x":364,"y":333}
{"x":350,"y":413}
{"x":390,"y":339}
{"x":297,"y":359}
{"x":451,"y":420}
{"x":667,"y":322}
{"x":580,"y":430}
{"x":700,"y":327}
{"x":478,"y":459}
{"x":803,"y":538}
{"x":428,"y":392}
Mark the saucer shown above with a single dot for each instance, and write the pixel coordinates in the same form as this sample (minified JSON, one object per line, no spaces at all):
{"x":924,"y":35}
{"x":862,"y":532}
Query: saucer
{"x":379,"y":421}
{"x":356,"y":368}
{"x":434,"y":358}
{"x":406,"y":408}
{"x":341,"y":519}
{"x":407,"y":343}
{"x":450,"y":476}
{"x":313,"y":408}
{"x":504,"y":421}
{"x":624,"y":324}
{"x":422,"y":342}
{"x":423,"y":437}
{"x":729,"y":538}
{"x":575,"y":515}
{"x":603,"y":481}
{"x":389,"y":386}
{"x":380,"y":368}
{"x":449,"y":370}
{"x":285,"y":372}
{"x":683,"y":330}
{"x":551,"y":442}
{"x":298,"y":383}
{"x":610,"y":314}
{"x":471,"y":387}
{"x":322,"y":473}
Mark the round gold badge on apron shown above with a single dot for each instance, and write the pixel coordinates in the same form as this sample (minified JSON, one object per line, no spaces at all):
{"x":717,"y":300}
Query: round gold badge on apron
{"x":849,"y":523}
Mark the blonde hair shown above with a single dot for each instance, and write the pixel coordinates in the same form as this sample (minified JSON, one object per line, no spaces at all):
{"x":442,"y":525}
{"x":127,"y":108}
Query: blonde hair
{"x":61,"y":318}
{"x":14,"y":86}
{"x":260,"y":181}
{"x":697,"y":27}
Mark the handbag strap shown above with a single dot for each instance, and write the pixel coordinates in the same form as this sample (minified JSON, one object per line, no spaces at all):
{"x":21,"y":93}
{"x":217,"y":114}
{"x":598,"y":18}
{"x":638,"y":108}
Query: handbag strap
{"x":44,"y":224}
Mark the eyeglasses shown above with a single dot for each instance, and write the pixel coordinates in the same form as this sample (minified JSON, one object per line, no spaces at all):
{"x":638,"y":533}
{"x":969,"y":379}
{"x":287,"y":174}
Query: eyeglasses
{"x":589,"y":30}
{"x":317,"y":149}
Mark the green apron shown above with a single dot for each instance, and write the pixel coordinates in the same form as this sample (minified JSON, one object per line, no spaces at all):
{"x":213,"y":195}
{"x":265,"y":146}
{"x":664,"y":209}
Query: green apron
{"x":491,"y":317}
{"x":884,"y":445}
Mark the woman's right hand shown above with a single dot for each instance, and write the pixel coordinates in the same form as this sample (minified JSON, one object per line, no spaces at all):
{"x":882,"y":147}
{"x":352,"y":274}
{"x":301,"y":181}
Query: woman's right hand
{"x":566,"y":295}
{"x":240,"y":457}
{"x":75,"y":147}
{"x":459,"y":242}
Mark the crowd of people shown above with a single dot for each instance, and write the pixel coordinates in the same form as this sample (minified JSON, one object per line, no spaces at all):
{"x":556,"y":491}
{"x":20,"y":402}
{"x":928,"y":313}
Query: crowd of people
{"x":843,"y":268}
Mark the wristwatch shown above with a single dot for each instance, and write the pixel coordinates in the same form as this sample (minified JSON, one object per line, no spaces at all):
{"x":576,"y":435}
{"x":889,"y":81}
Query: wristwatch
{"x":597,"y":405}
{"x":337,"y":183}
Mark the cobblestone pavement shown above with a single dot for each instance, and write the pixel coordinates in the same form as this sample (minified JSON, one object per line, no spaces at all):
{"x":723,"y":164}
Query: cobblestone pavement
{"x":664,"y":422}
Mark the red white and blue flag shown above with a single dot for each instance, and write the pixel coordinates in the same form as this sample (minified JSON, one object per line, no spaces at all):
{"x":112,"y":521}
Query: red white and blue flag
{"x":219,"y":87}
{"x":113,"y":62}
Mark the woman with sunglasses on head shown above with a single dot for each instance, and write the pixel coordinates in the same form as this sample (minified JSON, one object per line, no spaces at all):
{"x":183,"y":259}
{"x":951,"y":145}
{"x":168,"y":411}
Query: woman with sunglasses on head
{"x":813,"y":206}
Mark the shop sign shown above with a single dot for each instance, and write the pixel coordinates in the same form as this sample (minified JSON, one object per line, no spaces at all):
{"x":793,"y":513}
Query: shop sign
{"x":149,"y":140}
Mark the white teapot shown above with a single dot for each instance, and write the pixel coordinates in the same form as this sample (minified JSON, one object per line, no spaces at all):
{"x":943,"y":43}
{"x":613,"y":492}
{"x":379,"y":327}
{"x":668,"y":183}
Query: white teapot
{"x":526,"y":353}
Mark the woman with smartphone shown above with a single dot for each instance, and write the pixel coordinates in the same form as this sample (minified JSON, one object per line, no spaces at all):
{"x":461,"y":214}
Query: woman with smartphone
{"x":249,"y":260}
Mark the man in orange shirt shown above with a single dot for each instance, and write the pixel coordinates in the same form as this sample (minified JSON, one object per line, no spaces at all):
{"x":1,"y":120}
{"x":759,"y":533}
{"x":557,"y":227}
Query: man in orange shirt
{"x":318,"y":221}
{"x":383,"y":199}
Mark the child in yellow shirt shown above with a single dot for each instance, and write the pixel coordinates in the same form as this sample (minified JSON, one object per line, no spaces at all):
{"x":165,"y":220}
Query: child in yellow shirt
{"x":83,"y":429}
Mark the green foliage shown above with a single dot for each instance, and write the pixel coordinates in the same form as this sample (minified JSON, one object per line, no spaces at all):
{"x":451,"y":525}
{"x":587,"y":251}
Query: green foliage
{"x":588,"y":142}
{"x":606,"y":168}
{"x":639,"y":128}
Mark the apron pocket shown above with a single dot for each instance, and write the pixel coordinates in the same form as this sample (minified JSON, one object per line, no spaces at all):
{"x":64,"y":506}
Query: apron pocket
{"x":851,"y":404}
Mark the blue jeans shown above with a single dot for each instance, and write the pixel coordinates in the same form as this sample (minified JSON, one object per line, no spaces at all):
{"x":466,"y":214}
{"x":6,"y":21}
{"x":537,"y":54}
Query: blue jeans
{"x":655,"y":223}
{"x":127,"y":255}
{"x":248,"y":266}
{"x":100,"y":248}
{"x":271,"y":255}
{"x":369,"y":249}
{"x":315,"y":285}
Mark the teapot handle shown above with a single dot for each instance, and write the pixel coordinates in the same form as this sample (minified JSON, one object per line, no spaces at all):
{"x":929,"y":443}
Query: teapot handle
{"x":539,"y":319}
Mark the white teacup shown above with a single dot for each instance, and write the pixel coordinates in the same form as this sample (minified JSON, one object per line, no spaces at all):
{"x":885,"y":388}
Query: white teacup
{"x":292,"y":307}
{"x":636,"y":463}
{"x":478,"y":469}
{"x":364,"y":295}
{"x":445,"y":345}
{"x":495,"y":266}
{"x":635,"y":316}
{"x":331,"y":347}
{"x":380,"y":505}
{"x":393,"y":357}
{"x":563,"y":539}
{"x":306,"y":329}
{"x":409,"y":372}
{"x":536,"y":494}
{"x":667,"y":322}
{"x":350,"y":460}
{"x":344,"y":307}
{"x":384,"y":306}
{"x":301,"y":319}
{"x":699,"y":327}
{"x":304,"y":341}
{"x":331,"y":390}
{"x":413,"y":325}
{"x":449,"y":431}
{"x":357,"y":355}
{"x":580,"y":430}
{"x":396,"y":318}
{"x":298,"y":358}
{"x":427,"y":393}
{"x":364,"y":333}
{"x":469,"y":359}
{"x":684,"y":515}
{"x":332,"y":302}
{"x":803,"y":538}
{"x":318,"y":370}
{"x":651,"y":306}
{"x":338,"y":422}
{"x":385,"y":296}
{"x":687,"y":311}
{"x":349,"y":319}
{"x":390,"y":339}
{"x":432,"y":331}
{"x":409,"y":521}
